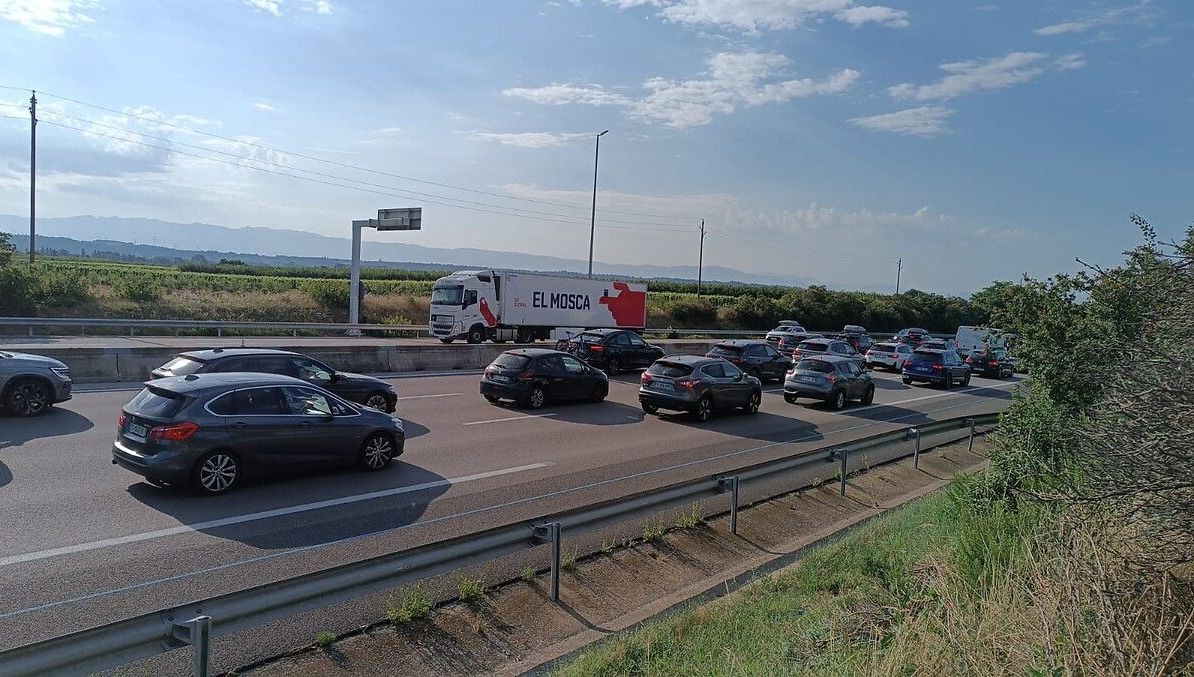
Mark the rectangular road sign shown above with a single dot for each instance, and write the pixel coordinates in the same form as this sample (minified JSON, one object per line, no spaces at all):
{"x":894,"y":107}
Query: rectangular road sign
{"x":409,"y":218}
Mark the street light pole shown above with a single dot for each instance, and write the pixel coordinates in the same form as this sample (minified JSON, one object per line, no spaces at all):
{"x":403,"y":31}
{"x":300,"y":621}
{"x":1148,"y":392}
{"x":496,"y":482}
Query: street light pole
{"x":593,"y":215}
{"x":701,"y":259}
{"x":32,"y":176}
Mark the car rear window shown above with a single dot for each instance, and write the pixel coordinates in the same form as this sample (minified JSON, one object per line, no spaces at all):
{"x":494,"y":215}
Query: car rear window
{"x":156,"y":403}
{"x":814,"y":365}
{"x":884,"y":347}
{"x":922,"y":356}
{"x":508,"y":361}
{"x":181,"y":366}
{"x":813,"y":347}
{"x":726,"y":349}
{"x":669,"y":369}
{"x":589,"y":339}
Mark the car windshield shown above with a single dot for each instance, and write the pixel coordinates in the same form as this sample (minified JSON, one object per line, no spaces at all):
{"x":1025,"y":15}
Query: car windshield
{"x":508,"y":361}
{"x":813,"y":347}
{"x":814,"y":365}
{"x":669,"y":369}
{"x":726,"y":349}
{"x":447,"y":296}
{"x":922,"y":356}
{"x":155,"y":403}
{"x":181,"y":366}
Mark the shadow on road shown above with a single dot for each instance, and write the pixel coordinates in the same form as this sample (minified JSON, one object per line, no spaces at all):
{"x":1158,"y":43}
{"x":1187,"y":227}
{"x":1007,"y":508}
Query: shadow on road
{"x":413,"y":429}
{"x":416,"y":488}
{"x":761,"y":426}
{"x":55,"y":422}
{"x":5,"y":475}
{"x":580,"y":411}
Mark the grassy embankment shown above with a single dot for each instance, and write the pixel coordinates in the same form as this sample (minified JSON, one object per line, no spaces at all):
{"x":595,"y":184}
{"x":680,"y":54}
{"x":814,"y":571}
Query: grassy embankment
{"x":1072,"y":554}
{"x":91,"y":288}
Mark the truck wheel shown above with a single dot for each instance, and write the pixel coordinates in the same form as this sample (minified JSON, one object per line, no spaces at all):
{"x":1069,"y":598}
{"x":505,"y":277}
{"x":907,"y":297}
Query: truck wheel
{"x":523,"y":335}
{"x":476,"y":334}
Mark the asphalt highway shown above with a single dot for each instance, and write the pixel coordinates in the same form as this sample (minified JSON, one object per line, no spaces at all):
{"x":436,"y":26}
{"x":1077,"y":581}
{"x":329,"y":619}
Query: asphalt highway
{"x":85,"y":542}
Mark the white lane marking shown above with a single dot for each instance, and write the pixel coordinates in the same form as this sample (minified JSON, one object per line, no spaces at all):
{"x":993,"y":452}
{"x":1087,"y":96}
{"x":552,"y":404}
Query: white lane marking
{"x":265,"y":514}
{"x":426,"y":397}
{"x":384,"y":532}
{"x":512,"y":418}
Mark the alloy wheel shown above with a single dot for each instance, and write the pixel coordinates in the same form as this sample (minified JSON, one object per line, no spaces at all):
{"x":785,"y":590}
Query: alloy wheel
{"x":28,"y":399}
{"x":378,"y":452}
{"x":537,"y":398}
{"x":752,"y":407}
{"x":217,"y":473}
{"x":377,"y":401}
{"x":704,"y":409}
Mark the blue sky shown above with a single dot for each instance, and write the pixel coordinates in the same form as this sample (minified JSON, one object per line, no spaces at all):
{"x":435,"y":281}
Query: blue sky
{"x":818,"y":138}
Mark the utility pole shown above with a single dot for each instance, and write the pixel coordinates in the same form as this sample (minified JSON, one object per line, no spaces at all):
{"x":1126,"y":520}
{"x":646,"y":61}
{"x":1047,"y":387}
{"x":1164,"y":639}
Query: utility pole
{"x":899,"y":269}
{"x":593,"y":215}
{"x":701,"y":259}
{"x":32,"y":175}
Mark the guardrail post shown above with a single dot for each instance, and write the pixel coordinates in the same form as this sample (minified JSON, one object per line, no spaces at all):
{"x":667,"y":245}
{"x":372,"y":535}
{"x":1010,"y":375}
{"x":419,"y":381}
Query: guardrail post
{"x":915,"y":434}
{"x":219,"y":331}
{"x":844,"y":453}
{"x":197,"y":633}
{"x":970,"y":443}
{"x":554,"y":530}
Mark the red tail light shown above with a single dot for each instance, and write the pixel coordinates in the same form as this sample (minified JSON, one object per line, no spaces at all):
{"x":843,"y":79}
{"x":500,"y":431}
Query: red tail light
{"x":969,"y":360}
{"x":994,"y":363}
{"x":527,"y":375}
{"x":597,"y":348}
{"x":646,"y":378}
{"x":894,"y":355}
{"x":120,"y":421}
{"x":937,"y":367}
{"x":173,"y":433}
{"x":831,"y":378}
{"x":688,"y":383}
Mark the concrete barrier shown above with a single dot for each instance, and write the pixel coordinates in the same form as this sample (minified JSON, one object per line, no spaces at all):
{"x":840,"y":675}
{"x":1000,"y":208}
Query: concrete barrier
{"x":132,"y":364}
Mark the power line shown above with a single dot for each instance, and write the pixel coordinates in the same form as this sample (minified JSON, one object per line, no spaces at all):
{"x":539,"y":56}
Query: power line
{"x":803,"y":252}
{"x":407,"y":193}
{"x":331,"y":183}
{"x":314,"y":158}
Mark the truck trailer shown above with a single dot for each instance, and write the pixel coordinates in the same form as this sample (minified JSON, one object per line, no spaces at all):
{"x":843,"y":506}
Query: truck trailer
{"x":499,"y":306}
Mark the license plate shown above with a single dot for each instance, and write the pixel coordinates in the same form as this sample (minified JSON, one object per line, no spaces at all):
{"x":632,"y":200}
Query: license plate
{"x":501,"y":379}
{"x":138,"y":430}
{"x":809,"y":379}
{"x":663,"y":386}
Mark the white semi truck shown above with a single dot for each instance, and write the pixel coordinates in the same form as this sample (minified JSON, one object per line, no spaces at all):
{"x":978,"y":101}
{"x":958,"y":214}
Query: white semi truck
{"x":480,"y":305}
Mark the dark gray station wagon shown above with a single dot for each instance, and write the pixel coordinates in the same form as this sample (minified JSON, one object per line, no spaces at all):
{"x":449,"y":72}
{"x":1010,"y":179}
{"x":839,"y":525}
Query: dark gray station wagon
{"x":208,"y":431}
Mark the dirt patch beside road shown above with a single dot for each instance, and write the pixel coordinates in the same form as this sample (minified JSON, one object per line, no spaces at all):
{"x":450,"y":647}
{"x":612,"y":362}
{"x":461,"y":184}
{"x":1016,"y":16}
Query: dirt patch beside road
{"x":518,"y":629}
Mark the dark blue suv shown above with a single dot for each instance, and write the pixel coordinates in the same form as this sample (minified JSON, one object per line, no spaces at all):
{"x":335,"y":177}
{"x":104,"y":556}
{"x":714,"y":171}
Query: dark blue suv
{"x":940,"y":367}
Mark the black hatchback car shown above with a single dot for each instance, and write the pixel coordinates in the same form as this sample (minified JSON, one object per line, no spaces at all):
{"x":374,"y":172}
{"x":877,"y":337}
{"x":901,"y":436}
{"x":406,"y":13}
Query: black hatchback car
{"x":993,"y":364}
{"x":614,"y":349}
{"x":533,"y":377}
{"x":940,"y":367}
{"x":366,"y":390}
{"x":700,"y":385}
{"x":208,"y":431}
{"x":757,"y":358}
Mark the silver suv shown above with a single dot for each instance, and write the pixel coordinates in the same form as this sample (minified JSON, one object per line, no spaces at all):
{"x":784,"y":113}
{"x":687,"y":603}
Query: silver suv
{"x":29,"y":384}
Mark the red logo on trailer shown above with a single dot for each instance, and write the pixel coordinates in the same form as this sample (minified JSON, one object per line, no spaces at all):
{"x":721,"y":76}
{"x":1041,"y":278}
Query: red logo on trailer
{"x":629,"y":308}
{"x":490,"y":318}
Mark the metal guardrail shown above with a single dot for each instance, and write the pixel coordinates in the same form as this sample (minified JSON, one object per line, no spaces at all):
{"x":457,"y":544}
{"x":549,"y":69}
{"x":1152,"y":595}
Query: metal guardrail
{"x":31,"y":323}
{"x":193,"y":624}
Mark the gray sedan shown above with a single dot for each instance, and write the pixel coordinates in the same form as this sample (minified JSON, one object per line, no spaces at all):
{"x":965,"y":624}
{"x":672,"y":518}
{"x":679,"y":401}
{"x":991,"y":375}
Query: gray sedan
{"x":208,"y":431}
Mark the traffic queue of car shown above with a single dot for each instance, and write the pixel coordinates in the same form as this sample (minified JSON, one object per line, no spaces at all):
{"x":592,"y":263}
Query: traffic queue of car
{"x":209,"y":418}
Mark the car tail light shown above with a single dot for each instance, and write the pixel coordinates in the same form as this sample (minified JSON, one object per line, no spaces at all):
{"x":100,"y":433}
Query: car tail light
{"x":937,"y":367}
{"x":687,"y":383}
{"x":969,"y":360}
{"x":994,"y":363}
{"x":894,"y":355}
{"x":597,"y":348}
{"x":831,"y":378}
{"x":120,"y":421}
{"x":527,"y":375}
{"x":646,"y":378}
{"x":173,"y":433}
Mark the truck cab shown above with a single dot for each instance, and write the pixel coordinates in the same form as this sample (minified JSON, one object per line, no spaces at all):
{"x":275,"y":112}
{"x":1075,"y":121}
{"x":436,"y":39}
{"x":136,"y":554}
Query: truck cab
{"x":457,"y":309}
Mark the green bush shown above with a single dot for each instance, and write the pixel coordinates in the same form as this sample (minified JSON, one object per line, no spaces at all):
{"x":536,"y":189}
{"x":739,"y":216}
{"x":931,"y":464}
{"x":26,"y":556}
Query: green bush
{"x":139,"y":289}
{"x":17,"y":291}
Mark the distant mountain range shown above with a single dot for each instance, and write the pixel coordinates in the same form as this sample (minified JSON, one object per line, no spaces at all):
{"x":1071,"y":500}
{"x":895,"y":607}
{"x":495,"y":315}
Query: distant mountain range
{"x":153,"y":239}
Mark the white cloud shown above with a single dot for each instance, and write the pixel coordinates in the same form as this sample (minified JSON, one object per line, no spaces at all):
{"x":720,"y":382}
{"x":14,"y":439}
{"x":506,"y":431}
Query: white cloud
{"x":49,"y":17}
{"x":560,"y":94}
{"x":270,"y":6}
{"x":733,"y":79}
{"x":759,"y":15}
{"x":926,"y":121}
{"x":966,"y":77}
{"x":1156,"y":41}
{"x":1140,"y":12}
{"x":529,"y":139}
{"x":262,"y":106}
{"x":277,"y":7}
{"x":1069,"y":62}
{"x":389,"y":130}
